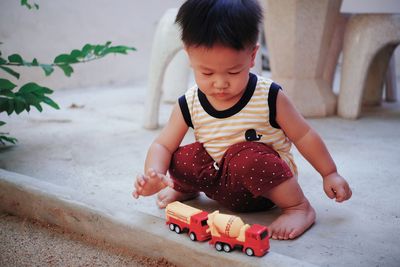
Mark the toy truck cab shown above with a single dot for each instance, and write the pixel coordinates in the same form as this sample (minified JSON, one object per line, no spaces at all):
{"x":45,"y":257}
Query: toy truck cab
{"x":257,"y":240}
{"x":198,"y":227}
{"x":181,"y":218}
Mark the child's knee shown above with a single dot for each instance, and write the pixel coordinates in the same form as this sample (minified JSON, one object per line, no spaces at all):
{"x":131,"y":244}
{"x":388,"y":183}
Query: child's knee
{"x":188,"y":159}
{"x":257,"y":170}
{"x":192,"y":165}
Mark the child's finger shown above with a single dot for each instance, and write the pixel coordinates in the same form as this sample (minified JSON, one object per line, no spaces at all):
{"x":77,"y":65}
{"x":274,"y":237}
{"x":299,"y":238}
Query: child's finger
{"x":138,"y":186}
{"x":162,"y":177}
{"x":347,"y":193}
{"x":330,"y":192}
{"x":136,"y":191}
{"x":340,"y":194}
{"x":141,"y":180}
{"x":137,"y":181}
{"x":350,"y":193}
{"x":151,"y":172}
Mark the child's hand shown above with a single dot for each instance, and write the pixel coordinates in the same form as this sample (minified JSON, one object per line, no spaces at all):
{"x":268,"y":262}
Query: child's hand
{"x":336,"y":187}
{"x":150,"y":183}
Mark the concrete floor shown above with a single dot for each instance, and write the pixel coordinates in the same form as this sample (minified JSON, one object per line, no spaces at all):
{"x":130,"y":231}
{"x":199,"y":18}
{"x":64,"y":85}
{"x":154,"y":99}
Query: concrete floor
{"x":88,"y":153}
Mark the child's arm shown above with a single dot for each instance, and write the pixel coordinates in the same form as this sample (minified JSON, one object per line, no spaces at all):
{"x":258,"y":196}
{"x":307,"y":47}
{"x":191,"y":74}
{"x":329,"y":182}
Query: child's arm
{"x":311,"y":146}
{"x":159,"y":156}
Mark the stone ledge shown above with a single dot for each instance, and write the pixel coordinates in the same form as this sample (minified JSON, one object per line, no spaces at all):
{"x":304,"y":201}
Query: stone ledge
{"x":144,"y":234}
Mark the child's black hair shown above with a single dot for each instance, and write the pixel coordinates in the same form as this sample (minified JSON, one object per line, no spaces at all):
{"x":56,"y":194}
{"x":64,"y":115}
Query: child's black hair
{"x":232,"y":23}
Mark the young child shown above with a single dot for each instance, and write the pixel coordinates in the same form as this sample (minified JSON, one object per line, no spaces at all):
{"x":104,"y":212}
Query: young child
{"x":244,"y":126}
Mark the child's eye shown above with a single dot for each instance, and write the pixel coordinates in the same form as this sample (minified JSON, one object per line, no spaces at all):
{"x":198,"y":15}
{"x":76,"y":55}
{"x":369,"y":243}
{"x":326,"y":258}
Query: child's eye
{"x":234,"y":72}
{"x":207,"y":73}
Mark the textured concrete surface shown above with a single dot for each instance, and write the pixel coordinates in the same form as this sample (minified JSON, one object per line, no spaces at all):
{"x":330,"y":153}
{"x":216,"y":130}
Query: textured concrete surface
{"x":137,"y":232}
{"x":76,"y":168}
{"x":25,"y":242}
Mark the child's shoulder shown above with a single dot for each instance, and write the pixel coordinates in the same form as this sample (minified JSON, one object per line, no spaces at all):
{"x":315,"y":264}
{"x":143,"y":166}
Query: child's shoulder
{"x":264,"y":82}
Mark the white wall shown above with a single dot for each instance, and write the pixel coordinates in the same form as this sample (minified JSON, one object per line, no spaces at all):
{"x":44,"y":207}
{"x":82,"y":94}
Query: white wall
{"x":62,"y":25}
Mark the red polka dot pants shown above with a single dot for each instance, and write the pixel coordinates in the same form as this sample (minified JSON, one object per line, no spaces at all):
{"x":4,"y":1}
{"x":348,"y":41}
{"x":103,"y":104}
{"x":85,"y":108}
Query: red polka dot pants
{"x":247,"y":171}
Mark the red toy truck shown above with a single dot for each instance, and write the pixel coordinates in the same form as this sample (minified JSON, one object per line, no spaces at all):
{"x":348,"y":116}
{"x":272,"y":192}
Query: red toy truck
{"x":226,"y":232}
{"x":229,"y":232}
{"x":181,"y":217}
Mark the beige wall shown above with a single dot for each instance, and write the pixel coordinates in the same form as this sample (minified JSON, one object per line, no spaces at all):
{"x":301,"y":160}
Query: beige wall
{"x":62,"y":25}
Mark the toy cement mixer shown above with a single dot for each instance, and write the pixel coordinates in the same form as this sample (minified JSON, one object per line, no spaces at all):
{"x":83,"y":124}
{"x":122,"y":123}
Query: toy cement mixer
{"x":229,"y":231}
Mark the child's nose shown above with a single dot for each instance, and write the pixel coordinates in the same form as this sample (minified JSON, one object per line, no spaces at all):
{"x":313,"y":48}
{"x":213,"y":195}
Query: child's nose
{"x":221,"y":83}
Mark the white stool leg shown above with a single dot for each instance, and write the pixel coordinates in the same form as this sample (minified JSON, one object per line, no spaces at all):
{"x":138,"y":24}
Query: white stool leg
{"x":367,"y":35}
{"x":176,"y":77}
{"x":166,"y":44}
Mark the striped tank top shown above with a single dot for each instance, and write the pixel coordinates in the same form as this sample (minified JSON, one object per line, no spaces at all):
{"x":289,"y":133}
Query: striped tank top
{"x":252,"y":118}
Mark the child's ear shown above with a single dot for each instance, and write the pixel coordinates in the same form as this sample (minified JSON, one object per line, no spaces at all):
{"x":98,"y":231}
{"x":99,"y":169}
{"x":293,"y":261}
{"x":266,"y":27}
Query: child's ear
{"x":254,"y":54}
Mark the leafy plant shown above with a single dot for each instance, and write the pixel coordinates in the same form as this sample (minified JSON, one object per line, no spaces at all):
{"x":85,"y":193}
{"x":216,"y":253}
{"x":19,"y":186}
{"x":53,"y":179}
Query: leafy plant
{"x":14,"y":99}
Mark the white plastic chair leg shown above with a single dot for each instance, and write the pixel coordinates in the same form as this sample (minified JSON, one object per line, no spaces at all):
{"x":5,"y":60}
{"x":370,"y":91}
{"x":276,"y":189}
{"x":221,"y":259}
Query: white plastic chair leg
{"x":166,"y":44}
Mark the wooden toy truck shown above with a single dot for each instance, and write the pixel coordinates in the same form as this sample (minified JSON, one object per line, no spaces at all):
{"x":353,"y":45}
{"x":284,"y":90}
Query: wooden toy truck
{"x":226,"y":232}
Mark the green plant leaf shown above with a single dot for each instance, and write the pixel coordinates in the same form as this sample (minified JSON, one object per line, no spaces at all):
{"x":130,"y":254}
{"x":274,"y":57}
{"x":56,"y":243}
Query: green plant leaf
{"x":35,"y":89}
{"x":8,"y":139}
{"x":48,"y":69}
{"x":10,"y":71}
{"x":87,"y":49}
{"x":99,"y":49}
{"x":35,"y":62}
{"x":119,"y":49}
{"x":7,"y":93}
{"x":15,"y":58}
{"x":29,"y":6}
{"x":19,"y":104}
{"x":2,"y":60}
{"x":6,"y":84}
{"x":32,"y":94}
{"x":29,"y":88}
{"x":2,"y":123}
{"x":67,"y":69}
{"x":61,"y":59}
{"x":76,"y":54}
{"x":31,"y":100}
{"x":10,"y":108}
{"x":25,"y":3}
{"x":3,"y":104}
{"x":50,"y":102}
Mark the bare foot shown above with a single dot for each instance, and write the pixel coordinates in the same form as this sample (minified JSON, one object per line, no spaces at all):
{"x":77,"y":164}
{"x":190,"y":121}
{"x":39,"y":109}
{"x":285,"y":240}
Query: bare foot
{"x":293,"y":222}
{"x":168,"y":195}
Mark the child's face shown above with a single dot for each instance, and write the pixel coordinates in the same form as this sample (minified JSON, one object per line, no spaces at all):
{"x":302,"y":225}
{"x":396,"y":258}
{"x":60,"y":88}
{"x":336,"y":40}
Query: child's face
{"x":221,"y":72}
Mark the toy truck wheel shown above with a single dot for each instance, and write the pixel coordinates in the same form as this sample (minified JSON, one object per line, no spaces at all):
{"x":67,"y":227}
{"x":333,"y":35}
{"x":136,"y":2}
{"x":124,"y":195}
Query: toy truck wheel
{"x":171,"y":227}
{"x":192,"y":236}
{"x":177,"y":229}
{"x":227,"y":248}
{"x":249,"y":252}
{"x":218,"y":246}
